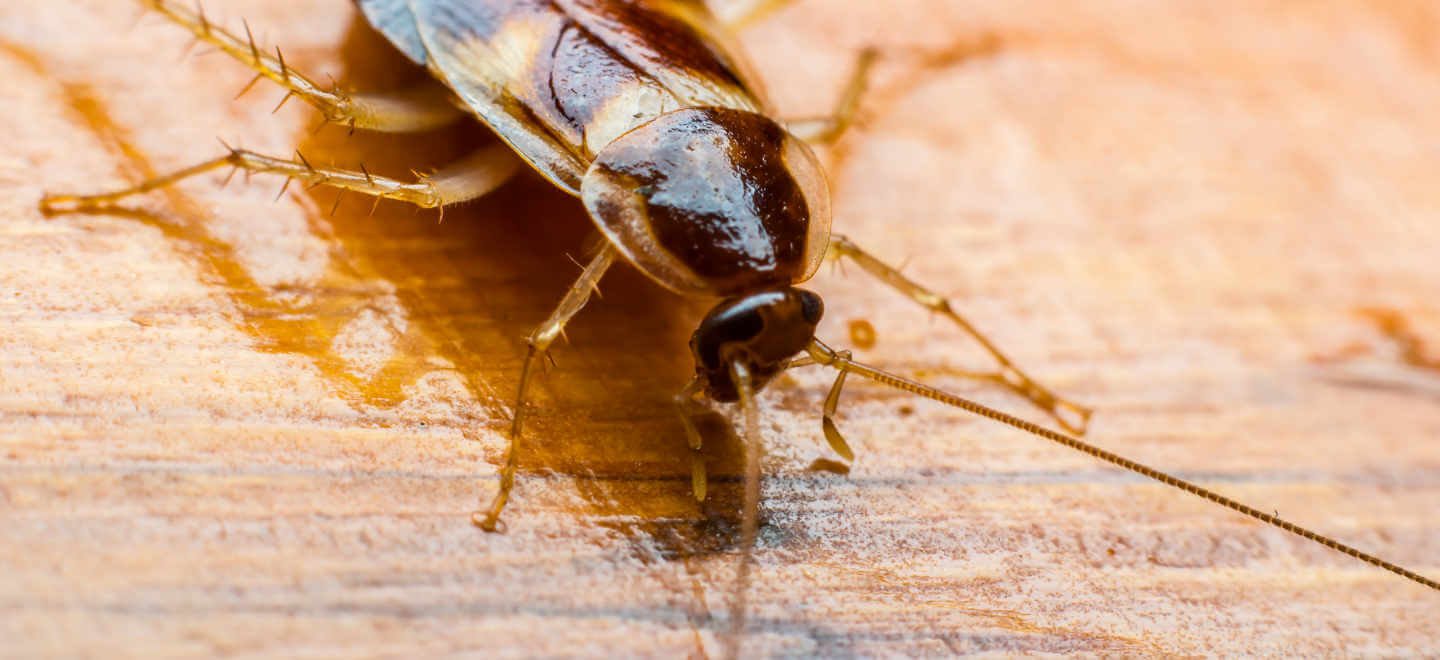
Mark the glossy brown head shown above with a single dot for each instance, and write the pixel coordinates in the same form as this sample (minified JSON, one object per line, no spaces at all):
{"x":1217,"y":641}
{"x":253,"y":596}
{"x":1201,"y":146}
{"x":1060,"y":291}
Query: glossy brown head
{"x":712,"y":201}
{"x":761,"y":330}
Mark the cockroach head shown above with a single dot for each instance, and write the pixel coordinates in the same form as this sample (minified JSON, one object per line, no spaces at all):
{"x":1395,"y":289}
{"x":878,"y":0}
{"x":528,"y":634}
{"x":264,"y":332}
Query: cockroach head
{"x":762,"y":331}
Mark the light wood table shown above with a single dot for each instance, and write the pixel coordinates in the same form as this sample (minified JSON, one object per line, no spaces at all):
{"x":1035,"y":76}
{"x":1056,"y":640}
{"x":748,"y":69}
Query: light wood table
{"x":236,"y":425}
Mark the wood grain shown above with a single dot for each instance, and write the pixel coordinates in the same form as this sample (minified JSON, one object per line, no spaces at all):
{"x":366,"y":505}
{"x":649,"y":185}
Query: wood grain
{"x":236,"y":425}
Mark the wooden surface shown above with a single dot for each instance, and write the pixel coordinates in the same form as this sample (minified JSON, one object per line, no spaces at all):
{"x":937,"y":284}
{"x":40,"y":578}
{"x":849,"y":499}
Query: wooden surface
{"x":231,"y":424}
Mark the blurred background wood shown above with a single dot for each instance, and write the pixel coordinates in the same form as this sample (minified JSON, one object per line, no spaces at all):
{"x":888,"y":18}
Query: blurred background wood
{"x":236,"y":425}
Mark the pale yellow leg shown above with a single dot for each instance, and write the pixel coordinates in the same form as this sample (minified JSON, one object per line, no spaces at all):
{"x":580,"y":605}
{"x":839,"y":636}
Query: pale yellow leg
{"x":466,"y":179}
{"x":827,"y":417}
{"x":1073,"y":417}
{"x":427,"y":106}
{"x":685,"y":407}
{"x":540,"y":341}
{"x":827,"y":130}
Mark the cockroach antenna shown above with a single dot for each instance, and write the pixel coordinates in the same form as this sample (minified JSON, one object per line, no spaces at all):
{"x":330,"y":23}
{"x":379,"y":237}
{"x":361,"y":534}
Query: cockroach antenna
{"x":825,"y":356}
{"x":819,"y":353}
{"x":750,"y":508}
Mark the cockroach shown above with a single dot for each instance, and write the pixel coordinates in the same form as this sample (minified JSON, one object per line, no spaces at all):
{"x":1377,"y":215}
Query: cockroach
{"x":644,"y":111}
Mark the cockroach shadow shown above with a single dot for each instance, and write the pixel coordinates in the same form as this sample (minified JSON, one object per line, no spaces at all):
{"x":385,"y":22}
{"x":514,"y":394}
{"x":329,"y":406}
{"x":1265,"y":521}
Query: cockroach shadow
{"x":479,"y":278}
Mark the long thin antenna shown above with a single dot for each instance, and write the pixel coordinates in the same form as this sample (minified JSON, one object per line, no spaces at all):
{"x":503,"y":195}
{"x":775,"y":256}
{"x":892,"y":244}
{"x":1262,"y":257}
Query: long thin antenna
{"x":750,"y":507}
{"x":824,"y":355}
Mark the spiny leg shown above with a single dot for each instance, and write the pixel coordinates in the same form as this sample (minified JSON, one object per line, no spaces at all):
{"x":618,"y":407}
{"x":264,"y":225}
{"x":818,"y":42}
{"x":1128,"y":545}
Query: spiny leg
{"x":1009,"y":375}
{"x":827,"y":130}
{"x":427,"y":106}
{"x":540,"y":341}
{"x":685,"y":407}
{"x":466,"y":179}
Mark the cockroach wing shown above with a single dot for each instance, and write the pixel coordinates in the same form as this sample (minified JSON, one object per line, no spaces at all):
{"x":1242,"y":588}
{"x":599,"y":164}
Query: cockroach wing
{"x":678,"y":43}
{"x":457,"y":41}
{"x":559,"y":79}
{"x":392,"y":18}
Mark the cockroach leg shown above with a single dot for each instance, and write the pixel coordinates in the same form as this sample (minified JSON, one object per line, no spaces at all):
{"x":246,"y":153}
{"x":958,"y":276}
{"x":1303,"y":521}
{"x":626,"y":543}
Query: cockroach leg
{"x":468,"y":178}
{"x":540,"y":341}
{"x":685,"y":406}
{"x":827,"y":417}
{"x":827,"y":130}
{"x":1073,"y":417}
{"x":50,"y":204}
{"x":741,"y":14}
{"x":426,"y":106}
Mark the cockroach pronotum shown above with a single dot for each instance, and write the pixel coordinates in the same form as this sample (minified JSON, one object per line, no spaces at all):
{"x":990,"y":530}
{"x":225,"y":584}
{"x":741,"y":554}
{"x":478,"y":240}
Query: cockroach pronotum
{"x":644,"y":111}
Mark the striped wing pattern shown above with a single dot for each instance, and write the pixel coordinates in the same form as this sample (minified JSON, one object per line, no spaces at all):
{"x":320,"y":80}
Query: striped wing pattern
{"x":558,"y":79}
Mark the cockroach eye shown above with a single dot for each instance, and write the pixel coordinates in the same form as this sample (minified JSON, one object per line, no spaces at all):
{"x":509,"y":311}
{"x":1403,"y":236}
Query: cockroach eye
{"x":811,"y":306}
{"x":761,"y":330}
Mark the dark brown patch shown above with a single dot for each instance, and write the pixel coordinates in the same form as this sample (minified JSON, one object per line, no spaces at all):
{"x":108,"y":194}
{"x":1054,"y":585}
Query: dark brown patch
{"x":655,"y":39}
{"x":762,"y":330}
{"x":720,"y":197}
{"x":588,"y":52}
